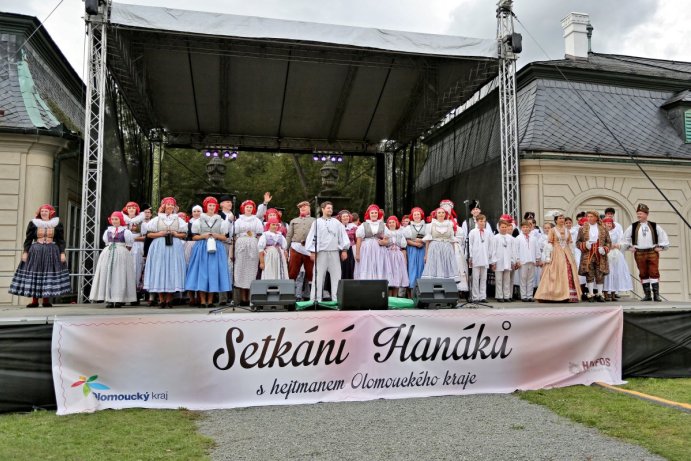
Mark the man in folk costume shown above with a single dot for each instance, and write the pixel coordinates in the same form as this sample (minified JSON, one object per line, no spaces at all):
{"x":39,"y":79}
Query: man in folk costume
{"x":298,"y":255}
{"x":647,"y":239}
{"x":594,"y":243}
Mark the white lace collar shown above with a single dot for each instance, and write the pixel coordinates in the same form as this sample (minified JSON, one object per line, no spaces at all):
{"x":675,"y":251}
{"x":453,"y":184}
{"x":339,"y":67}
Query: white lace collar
{"x":51,"y":223}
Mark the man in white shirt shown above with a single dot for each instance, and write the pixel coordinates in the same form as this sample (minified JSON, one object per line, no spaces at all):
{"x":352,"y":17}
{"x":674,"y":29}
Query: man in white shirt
{"x":327,"y":239}
{"x":647,"y":239}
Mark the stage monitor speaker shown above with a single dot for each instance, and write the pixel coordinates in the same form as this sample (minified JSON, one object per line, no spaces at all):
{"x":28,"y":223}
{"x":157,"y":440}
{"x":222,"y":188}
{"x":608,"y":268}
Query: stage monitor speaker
{"x":363,"y":294}
{"x":436,"y":293}
{"x":268,"y":295}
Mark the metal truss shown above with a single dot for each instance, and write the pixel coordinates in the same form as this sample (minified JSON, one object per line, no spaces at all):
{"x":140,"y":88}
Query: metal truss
{"x":508,"y":126}
{"x":94,"y":122}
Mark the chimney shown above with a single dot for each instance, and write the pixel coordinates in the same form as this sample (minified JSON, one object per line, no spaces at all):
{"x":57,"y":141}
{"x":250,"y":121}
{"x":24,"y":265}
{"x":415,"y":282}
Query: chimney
{"x":576,"y":38}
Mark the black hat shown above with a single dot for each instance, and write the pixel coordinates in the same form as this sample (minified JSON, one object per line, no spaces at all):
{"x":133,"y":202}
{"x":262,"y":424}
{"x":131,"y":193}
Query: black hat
{"x":529,"y":215}
{"x":643,"y":207}
{"x":474,"y":204}
{"x":145,"y":206}
{"x":225,"y":197}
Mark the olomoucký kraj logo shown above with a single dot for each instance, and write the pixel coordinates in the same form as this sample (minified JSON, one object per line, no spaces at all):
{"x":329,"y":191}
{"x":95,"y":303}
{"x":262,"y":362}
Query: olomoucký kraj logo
{"x":88,"y":384}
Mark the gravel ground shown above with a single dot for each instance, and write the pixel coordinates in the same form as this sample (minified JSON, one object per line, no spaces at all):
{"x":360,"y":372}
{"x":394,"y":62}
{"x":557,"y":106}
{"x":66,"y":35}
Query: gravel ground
{"x":473,"y":427}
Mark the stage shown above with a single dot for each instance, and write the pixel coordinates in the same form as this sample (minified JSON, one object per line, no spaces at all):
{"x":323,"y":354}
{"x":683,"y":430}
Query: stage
{"x":655,"y":339}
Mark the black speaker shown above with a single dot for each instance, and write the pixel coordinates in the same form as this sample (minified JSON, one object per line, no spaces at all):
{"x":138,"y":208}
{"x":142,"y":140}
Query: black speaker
{"x":436,"y":293}
{"x":272,"y":295}
{"x":363,"y":295}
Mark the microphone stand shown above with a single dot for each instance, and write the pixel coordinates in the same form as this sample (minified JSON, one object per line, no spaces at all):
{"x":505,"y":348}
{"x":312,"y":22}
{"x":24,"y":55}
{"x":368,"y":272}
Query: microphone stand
{"x":469,"y":303}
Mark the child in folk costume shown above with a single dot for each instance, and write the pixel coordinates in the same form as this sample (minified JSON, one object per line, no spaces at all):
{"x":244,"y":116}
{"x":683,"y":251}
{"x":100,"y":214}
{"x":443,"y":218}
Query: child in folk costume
{"x":619,"y":278}
{"x":165,"y":266}
{"x":370,"y":246}
{"x":405,"y":221}
{"x":42,"y":273}
{"x":207,"y":272}
{"x":479,"y":242}
{"x":348,"y":266}
{"x":544,"y":248}
{"x":134,"y":219}
{"x":275,"y":214}
{"x":247,"y":229}
{"x":440,"y":254}
{"x":415,"y":250}
{"x":396,"y":256}
{"x":114,"y":280}
{"x":503,"y":260}
{"x":527,"y":257}
{"x":226,"y":205}
{"x":273,"y":252}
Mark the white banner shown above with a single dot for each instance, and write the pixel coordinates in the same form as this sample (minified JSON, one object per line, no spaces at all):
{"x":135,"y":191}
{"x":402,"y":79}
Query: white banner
{"x":204,"y":362}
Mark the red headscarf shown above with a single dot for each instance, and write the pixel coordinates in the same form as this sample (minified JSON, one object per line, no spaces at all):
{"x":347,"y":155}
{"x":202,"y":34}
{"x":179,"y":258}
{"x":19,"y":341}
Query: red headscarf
{"x":182,"y":215}
{"x":116,"y":214}
{"x":506,"y":217}
{"x":248,"y":202}
{"x":422,"y":213}
{"x":169,"y":201}
{"x":45,"y":207}
{"x":273,"y":210}
{"x":273,"y":221}
{"x":380,"y":212}
{"x":206,"y":202}
{"x":129,"y":204}
{"x":608,"y":220}
{"x":394,"y":219}
{"x":582,"y":221}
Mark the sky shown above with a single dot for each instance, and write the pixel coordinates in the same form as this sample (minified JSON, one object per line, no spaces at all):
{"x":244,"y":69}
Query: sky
{"x":650,"y":28}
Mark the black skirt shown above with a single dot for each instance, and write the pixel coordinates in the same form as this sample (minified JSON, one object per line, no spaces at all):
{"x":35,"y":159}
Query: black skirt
{"x":42,"y":275}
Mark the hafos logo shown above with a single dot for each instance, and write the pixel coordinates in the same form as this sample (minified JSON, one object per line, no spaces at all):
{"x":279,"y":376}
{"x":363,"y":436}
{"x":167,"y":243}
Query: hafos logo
{"x":89,"y":384}
{"x":589,"y":365}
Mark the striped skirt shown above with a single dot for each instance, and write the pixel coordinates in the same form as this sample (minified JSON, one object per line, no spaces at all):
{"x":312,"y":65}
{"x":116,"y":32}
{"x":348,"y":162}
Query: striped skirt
{"x":43,"y":275}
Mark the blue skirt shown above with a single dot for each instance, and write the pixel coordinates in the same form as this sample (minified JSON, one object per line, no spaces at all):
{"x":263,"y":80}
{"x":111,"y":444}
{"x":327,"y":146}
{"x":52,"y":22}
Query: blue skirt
{"x":165,"y":267}
{"x":416,"y":263}
{"x":208,"y":271}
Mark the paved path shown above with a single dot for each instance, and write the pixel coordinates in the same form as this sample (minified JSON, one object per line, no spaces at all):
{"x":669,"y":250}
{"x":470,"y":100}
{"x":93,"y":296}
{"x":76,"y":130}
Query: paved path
{"x":474,"y":427}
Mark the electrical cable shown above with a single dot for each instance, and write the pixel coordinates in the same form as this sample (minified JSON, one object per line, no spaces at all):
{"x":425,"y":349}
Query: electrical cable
{"x":597,"y":115}
{"x":39,"y":26}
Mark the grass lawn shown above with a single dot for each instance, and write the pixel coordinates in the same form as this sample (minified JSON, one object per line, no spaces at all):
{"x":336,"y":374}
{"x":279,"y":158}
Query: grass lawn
{"x":661,"y":430}
{"x":105,"y":435}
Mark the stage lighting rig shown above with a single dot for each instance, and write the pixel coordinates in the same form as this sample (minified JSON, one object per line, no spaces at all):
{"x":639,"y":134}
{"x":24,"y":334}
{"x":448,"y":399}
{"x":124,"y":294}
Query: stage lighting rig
{"x":222,"y":152}
{"x":327,"y":155}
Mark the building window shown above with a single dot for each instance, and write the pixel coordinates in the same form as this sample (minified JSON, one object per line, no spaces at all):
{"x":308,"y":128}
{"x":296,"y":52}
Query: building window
{"x":687,"y":126}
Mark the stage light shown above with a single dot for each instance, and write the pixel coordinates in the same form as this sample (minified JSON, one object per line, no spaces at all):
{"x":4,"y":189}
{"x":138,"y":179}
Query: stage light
{"x":333,"y":159}
{"x":234,"y":155}
{"x":340,"y":159}
{"x":226,"y":154}
{"x":207,"y":153}
{"x":323,"y":158}
{"x":215,"y":153}
{"x":315,"y":158}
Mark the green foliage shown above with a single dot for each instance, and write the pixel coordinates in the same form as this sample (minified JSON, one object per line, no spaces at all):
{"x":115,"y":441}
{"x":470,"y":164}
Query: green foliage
{"x":183,"y":175}
{"x":661,"y":430}
{"x":105,"y":435}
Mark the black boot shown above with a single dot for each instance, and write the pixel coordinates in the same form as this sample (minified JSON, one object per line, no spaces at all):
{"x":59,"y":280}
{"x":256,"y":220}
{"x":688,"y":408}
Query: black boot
{"x":584,"y":293}
{"x":646,"y":290}
{"x":656,"y":292}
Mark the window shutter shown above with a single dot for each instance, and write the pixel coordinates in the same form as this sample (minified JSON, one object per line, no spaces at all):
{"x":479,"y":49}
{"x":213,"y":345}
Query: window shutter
{"x":687,"y":125}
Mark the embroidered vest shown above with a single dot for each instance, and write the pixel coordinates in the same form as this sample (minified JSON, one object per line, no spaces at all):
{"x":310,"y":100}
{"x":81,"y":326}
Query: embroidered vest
{"x":634,"y":232}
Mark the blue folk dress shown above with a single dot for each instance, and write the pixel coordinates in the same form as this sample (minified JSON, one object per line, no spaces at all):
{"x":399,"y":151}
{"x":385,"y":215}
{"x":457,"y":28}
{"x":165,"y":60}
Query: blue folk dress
{"x":208,"y":271}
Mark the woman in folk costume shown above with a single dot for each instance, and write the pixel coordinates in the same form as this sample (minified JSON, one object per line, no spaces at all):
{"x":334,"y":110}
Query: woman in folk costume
{"x":247,"y":229}
{"x":348,"y":266}
{"x":397,"y":265}
{"x":559,"y":281}
{"x":189,"y":245}
{"x":415,"y":250}
{"x":440,"y":252}
{"x":165,"y":264}
{"x":370,"y":246}
{"x":134,"y":220}
{"x":207,"y":272}
{"x":42,"y":273}
{"x":114,"y":279}
{"x":619,"y":277}
{"x":273,"y":252}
